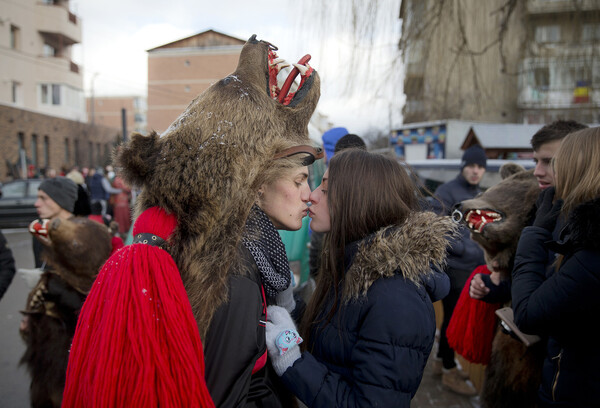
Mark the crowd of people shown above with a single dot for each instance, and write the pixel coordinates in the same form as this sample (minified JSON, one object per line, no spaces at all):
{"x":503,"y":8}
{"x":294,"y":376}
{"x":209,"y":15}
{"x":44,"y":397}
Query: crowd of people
{"x":369,"y":327}
{"x":200,"y":310}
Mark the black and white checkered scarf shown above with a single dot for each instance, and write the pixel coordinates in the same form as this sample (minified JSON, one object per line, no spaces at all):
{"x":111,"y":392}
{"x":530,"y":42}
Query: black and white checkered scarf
{"x":265,"y":244}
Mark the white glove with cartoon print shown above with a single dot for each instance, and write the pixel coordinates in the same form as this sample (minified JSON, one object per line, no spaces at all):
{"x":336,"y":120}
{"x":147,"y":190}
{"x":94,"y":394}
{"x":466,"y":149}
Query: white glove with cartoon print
{"x":282,"y":339}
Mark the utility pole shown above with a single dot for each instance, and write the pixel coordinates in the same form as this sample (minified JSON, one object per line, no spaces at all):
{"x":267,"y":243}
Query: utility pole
{"x":124,"y":123}
{"x":92,"y":98}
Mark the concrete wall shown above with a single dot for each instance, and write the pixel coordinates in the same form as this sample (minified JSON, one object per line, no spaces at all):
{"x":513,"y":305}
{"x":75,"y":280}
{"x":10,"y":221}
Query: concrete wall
{"x":177,"y":76}
{"x":107,"y":112}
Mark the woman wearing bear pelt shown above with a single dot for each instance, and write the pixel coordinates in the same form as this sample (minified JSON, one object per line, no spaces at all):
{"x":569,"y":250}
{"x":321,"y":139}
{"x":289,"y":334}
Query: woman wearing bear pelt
{"x":188,"y":289}
{"x":370,"y":325}
{"x":564,"y":306}
{"x":237,"y":370}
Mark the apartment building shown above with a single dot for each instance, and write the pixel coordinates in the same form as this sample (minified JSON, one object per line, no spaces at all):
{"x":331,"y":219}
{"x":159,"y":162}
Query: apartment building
{"x":180,"y":70}
{"x":108,"y":111}
{"x":523,"y":61}
{"x":36,"y":67}
{"x":42,"y":105}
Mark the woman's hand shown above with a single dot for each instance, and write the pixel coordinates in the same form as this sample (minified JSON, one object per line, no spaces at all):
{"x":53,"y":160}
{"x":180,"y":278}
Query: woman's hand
{"x":282,"y":339}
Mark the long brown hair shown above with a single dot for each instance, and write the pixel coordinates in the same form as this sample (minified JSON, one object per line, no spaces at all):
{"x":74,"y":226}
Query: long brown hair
{"x":577,"y":168}
{"x":366,"y":192}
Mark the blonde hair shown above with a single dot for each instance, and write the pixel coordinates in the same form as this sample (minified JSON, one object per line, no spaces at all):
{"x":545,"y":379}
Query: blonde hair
{"x":278,"y":168}
{"x":577,"y":168}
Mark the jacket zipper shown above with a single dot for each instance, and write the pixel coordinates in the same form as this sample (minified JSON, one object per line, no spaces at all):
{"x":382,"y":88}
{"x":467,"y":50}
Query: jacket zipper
{"x":555,"y":381}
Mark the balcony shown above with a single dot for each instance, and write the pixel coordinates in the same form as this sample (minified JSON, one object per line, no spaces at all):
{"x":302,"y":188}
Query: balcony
{"x":57,"y":21}
{"x":560,"y":6}
{"x":559,"y":97}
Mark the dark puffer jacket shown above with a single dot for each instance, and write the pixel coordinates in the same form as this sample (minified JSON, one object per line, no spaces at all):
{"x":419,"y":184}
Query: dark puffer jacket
{"x":373,"y":351}
{"x":564,"y":306}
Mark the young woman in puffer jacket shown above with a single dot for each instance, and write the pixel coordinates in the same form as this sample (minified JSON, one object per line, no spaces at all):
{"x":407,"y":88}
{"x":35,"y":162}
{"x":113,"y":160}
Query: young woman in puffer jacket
{"x":564,"y":306}
{"x":370,"y":325}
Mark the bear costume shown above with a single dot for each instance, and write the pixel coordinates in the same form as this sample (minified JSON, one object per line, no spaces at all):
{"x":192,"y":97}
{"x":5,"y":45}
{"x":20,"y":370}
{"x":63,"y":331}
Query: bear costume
{"x":201,"y":177}
{"x":75,"y":251}
{"x":496,"y":219}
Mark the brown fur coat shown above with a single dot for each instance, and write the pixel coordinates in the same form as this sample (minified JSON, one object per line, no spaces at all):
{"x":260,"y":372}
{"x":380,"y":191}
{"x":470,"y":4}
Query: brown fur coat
{"x":206,"y":166}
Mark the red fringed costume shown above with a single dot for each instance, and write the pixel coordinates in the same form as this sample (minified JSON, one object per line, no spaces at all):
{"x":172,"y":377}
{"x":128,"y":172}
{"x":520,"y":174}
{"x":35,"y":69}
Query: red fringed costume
{"x":473,"y":325}
{"x":137,"y":343}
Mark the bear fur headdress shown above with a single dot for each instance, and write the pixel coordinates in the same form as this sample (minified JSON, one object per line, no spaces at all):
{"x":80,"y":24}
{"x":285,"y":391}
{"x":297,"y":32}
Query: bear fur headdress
{"x":204,"y":172}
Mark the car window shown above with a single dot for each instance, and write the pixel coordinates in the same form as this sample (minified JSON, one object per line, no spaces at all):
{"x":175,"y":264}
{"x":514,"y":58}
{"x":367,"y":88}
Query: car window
{"x":14,"y":190}
{"x":33,"y":187}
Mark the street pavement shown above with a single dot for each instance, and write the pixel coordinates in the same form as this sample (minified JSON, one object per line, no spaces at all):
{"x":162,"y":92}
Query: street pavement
{"x":14,"y":380}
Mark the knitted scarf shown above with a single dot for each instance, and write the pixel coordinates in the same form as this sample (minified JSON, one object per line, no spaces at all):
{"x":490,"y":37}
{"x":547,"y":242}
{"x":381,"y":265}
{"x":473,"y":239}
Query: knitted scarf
{"x":264,"y":243}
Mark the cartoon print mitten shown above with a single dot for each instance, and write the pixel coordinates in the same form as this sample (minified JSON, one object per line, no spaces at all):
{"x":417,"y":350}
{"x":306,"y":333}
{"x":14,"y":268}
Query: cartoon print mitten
{"x":282,"y":339}
{"x":285,"y":298}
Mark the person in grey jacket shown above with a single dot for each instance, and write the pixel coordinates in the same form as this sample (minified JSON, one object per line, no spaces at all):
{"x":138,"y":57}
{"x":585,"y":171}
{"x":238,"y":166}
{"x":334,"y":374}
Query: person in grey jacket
{"x":464,"y":255}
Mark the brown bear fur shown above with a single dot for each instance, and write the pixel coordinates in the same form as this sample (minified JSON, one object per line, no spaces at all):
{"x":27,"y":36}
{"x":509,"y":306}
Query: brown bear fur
{"x":205,"y":169}
{"x":75,"y":252}
{"x":513,"y":374}
{"x":513,"y":198}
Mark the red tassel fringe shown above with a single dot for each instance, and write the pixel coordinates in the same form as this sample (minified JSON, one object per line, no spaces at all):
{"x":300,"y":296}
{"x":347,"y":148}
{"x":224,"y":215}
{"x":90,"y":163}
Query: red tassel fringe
{"x":137,"y":343}
{"x":473,"y":325}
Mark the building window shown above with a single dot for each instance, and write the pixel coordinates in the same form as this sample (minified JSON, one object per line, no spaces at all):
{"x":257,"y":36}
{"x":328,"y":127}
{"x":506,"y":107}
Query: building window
{"x":76,"y":146}
{"x":46,"y":152}
{"x":34,"y":148}
{"x":16,"y":92}
{"x":15,"y":37}
{"x":107,"y":149}
{"x":91,"y":154}
{"x":590,"y":32}
{"x":547,"y":34}
{"x":67,"y":152}
{"x":99,"y":154}
{"x":44,"y":94}
{"x":55,"y":94}
{"x":21,"y":141}
{"x":49,"y":51}
{"x":541,"y":77}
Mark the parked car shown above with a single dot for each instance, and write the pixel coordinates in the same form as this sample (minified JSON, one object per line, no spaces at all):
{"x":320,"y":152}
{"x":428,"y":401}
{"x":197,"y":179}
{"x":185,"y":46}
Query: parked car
{"x":16,"y":203}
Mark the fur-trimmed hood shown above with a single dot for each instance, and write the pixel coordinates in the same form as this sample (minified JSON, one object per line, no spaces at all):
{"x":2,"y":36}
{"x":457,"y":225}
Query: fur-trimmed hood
{"x":409,"y":250}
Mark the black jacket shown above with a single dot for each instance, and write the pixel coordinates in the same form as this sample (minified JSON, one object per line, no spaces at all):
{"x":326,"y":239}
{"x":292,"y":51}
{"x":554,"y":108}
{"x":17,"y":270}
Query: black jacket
{"x":563,"y":306}
{"x":236,"y":340}
{"x":374,"y":349}
{"x":7,"y":265}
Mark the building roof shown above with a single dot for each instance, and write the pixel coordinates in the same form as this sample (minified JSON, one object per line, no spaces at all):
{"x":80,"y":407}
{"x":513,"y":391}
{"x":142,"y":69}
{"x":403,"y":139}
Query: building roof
{"x":205,"y":39}
{"x":501,"y":135}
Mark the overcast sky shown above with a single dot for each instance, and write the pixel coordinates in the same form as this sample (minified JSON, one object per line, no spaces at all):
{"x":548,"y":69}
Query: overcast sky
{"x":117,"y":33}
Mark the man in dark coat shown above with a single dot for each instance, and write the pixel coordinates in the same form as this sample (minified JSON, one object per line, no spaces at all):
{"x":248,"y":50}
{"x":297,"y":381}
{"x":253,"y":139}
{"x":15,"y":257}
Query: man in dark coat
{"x":464,"y":255}
{"x":7,"y":266}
